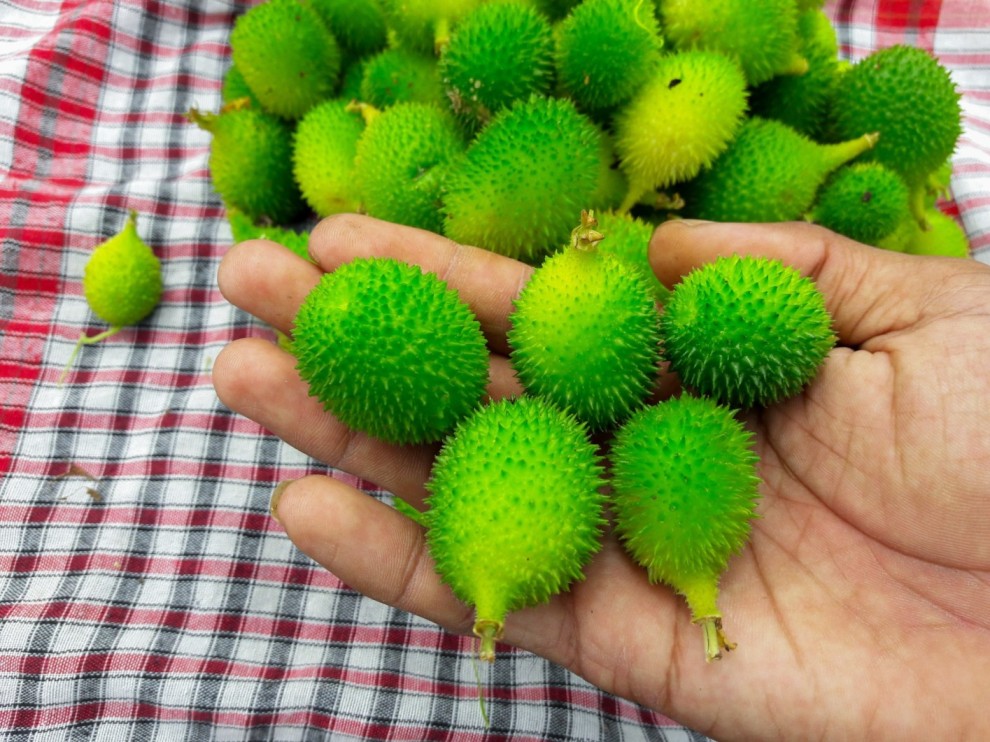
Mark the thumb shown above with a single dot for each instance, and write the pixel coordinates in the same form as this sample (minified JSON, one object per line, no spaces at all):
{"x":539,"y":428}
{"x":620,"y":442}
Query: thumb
{"x":366,"y":544}
{"x":868,"y":291}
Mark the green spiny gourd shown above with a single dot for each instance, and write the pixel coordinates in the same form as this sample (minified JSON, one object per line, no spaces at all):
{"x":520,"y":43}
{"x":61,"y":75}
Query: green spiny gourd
{"x":122,"y":284}
{"x":684,"y":493}
{"x":500,"y":53}
{"x":391,"y":350}
{"x":679,"y":121}
{"x":761,"y":34}
{"x":585,"y":332}
{"x":359,"y":26}
{"x":235,"y":87}
{"x":323,"y":154}
{"x":400,"y":160}
{"x":908,"y":96}
{"x":746,"y":330}
{"x":426,"y":25}
{"x":556,"y":10}
{"x":605,"y":52}
{"x":612,"y":182}
{"x":399,"y":75}
{"x":351,"y":79}
{"x":864,"y":201}
{"x":944,"y":236}
{"x":523,"y":178}
{"x":768,"y":173}
{"x":242,"y":229}
{"x":628,"y":238}
{"x":804,"y":102}
{"x":251,"y":162}
{"x":515,"y":511}
{"x":288,"y":57}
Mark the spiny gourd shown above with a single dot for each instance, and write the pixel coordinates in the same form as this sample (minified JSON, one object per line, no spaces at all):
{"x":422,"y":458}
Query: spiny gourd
{"x":251,"y":161}
{"x":584,"y":332}
{"x":523,"y":178}
{"x":425,"y":25}
{"x":502,"y":52}
{"x":679,"y":121}
{"x":556,"y":10}
{"x":122,"y":284}
{"x":235,"y":87}
{"x":605,"y":52}
{"x":864,"y":201}
{"x":804,"y":102}
{"x":761,"y":34}
{"x":242,"y":228}
{"x":908,"y":96}
{"x":400,"y":160}
{"x":323,"y":154}
{"x":629,"y":240}
{"x":359,"y":26}
{"x":768,"y":173}
{"x":684,"y":493}
{"x":399,"y":75}
{"x":351,"y":78}
{"x":612,"y":182}
{"x":514,"y":509}
{"x":390,"y":350}
{"x":746,"y":330}
{"x":288,"y":57}
{"x":944,"y":236}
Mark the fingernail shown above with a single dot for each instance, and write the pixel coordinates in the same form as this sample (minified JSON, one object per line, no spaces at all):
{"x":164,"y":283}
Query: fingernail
{"x":692,"y":222}
{"x":276,"y":496}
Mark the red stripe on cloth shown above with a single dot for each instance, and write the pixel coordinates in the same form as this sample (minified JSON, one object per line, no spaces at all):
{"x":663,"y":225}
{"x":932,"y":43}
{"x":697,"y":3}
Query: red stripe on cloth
{"x":902,"y":14}
{"x":131,"y":663}
{"x":895,"y":18}
{"x":33,"y":286}
{"x":124,"y":515}
{"x":51,"y":141}
{"x":109,"y":711}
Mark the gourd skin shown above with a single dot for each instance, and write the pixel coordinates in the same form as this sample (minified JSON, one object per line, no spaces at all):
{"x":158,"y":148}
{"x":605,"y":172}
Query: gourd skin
{"x":515,"y":511}
{"x":287,"y":56}
{"x":400,"y":160}
{"x":679,"y":121}
{"x":523,"y":179}
{"x":122,"y":280}
{"x":501,"y":53}
{"x":585,"y":335}
{"x":769,"y":173}
{"x":391,"y":350}
{"x":746,"y":331}
{"x":684,"y":492}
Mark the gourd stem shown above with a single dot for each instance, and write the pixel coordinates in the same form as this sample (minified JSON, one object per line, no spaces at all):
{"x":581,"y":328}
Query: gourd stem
{"x":715,"y":638}
{"x":488,"y":632}
{"x":86,"y":340}
{"x":585,"y":236}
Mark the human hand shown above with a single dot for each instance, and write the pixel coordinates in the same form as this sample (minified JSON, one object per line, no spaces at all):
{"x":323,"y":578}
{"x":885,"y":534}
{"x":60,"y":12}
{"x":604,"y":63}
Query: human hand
{"x":861,"y":606}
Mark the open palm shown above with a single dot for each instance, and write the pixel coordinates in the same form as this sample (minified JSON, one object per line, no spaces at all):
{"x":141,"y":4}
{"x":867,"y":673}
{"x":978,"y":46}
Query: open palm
{"x":861,"y":605}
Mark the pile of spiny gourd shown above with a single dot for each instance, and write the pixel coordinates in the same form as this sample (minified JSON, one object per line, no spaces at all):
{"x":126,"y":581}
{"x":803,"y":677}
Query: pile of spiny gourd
{"x":496,"y":123}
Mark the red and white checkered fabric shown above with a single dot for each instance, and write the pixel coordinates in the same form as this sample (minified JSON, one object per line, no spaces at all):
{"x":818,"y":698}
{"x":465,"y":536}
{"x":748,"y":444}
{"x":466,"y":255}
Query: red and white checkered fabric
{"x":158,"y":600}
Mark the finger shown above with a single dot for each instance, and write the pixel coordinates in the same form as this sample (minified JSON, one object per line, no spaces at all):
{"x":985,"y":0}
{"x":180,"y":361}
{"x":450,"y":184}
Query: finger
{"x":382,"y":554}
{"x":257,"y":379}
{"x":369,"y":546}
{"x":868,"y":291}
{"x":486,"y":281}
{"x":266,"y":280}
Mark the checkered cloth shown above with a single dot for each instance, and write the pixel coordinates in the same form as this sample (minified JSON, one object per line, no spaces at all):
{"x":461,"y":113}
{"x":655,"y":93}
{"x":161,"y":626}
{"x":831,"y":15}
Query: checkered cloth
{"x":144,"y":591}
